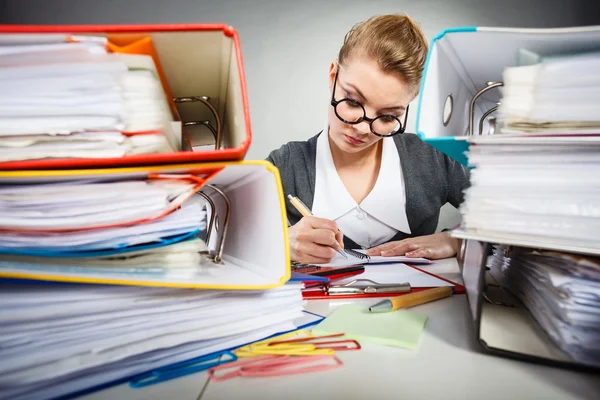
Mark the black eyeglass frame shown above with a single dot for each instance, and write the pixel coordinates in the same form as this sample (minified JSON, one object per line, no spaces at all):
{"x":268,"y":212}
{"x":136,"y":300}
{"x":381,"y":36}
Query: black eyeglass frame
{"x":334,"y":104}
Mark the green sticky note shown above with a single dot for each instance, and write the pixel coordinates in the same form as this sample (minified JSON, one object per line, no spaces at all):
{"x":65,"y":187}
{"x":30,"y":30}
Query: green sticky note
{"x":396,"y":328}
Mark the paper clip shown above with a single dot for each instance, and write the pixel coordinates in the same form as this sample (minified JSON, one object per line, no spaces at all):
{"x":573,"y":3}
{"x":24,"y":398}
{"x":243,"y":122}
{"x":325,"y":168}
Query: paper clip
{"x":182,"y":369}
{"x":263,"y":347}
{"x":278,"y":368}
{"x":355,"y":287}
{"x":272,"y":366}
{"x":340,"y":345}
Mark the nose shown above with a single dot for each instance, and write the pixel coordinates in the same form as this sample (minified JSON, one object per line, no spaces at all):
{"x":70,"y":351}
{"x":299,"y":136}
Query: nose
{"x":363,"y":128}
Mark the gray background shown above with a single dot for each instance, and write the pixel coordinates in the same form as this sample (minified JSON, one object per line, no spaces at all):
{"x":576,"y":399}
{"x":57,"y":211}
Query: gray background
{"x":289,"y":45}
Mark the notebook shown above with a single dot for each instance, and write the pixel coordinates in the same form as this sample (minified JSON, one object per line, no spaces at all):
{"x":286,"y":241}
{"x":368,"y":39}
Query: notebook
{"x":356,"y":257}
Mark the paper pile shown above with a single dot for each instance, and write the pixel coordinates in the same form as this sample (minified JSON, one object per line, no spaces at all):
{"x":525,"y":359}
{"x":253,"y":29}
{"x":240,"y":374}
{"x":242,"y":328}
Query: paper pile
{"x":75,"y":99}
{"x":58,"y":339}
{"x":562,"y":293}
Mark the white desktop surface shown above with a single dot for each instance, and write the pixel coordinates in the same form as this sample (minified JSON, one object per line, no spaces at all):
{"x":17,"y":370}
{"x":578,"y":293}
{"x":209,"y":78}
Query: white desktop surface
{"x":446,"y":365}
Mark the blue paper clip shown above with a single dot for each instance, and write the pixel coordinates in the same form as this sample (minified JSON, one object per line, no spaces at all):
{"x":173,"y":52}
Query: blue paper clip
{"x":182,"y":369}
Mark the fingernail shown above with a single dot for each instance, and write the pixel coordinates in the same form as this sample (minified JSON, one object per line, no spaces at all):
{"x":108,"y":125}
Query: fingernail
{"x":384,"y":253}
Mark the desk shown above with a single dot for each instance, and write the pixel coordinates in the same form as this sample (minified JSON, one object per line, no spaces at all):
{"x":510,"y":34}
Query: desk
{"x":447,"y":365}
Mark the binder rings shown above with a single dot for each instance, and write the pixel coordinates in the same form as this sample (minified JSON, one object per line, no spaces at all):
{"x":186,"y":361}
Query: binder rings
{"x":246,"y":239}
{"x":502,"y":327}
{"x":463,"y":76}
{"x":203,"y":68}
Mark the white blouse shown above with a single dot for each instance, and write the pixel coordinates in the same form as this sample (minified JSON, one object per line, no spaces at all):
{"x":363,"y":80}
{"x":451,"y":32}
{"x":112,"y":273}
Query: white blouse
{"x":380,"y":215}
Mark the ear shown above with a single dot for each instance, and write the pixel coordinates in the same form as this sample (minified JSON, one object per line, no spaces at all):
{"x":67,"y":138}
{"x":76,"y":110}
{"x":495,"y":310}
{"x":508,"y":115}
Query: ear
{"x":333,"y":68}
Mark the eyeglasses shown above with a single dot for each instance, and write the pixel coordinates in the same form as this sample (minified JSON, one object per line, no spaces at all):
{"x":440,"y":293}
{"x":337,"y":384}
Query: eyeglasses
{"x":352,"y":112}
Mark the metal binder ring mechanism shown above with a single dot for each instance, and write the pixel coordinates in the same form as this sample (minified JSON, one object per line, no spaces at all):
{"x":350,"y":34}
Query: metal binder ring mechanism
{"x":216,"y":132}
{"x":216,"y":255}
{"x":490,"y":85}
{"x":355,"y":287}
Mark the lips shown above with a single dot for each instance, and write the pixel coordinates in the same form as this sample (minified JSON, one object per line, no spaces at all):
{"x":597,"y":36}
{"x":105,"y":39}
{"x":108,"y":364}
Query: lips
{"x":353,"y":140}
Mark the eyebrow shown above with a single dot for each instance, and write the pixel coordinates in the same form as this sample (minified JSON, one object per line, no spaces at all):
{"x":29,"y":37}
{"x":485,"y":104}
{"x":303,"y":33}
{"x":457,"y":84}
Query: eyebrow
{"x":392,"y":108}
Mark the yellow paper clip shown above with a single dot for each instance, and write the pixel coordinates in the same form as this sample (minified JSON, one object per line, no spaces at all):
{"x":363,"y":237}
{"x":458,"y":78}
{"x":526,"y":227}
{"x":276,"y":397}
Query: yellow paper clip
{"x":264,"y":347}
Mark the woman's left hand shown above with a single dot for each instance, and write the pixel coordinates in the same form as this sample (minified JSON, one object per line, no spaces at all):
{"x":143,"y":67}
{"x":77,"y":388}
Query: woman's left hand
{"x":434,"y":247}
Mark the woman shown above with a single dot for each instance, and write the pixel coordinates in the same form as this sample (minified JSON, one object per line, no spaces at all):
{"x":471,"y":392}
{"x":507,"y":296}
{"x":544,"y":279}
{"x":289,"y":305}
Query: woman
{"x":383,"y":188}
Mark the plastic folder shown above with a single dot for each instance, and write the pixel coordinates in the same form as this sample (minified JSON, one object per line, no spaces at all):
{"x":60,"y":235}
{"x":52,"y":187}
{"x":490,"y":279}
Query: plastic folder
{"x":460,"y":64}
{"x":200,"y":62}
{"x":248,"y":244}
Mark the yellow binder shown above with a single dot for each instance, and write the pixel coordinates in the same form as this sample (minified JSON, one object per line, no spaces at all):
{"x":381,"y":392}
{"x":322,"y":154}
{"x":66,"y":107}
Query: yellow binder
{"x":255,"y":252}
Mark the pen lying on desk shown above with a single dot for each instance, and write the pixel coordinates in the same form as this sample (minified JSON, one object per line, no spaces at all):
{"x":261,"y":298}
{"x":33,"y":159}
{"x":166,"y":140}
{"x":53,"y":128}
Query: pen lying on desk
{"x":413,"y":299}
{"x":302,"y":209}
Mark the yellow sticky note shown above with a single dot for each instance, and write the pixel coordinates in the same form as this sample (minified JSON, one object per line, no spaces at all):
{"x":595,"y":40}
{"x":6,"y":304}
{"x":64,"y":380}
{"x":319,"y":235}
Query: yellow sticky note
{"x":396,"y":328}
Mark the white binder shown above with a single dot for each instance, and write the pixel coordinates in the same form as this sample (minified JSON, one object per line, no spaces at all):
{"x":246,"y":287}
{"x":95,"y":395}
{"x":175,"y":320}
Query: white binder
{"x":461,"y":61}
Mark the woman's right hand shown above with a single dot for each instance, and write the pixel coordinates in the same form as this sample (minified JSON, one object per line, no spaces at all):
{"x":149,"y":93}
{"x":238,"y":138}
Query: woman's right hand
{"x":314,"y":240}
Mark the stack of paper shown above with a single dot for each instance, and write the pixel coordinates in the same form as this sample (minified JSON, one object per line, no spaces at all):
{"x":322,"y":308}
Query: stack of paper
{"x":146,"y":226}
{"x":58,"y":339}
{"x":74,"y":99}
{"x":562,"y":293}
{"x":555,"y":95}
{"x":537,"y":183}
{"x":546,"y":194}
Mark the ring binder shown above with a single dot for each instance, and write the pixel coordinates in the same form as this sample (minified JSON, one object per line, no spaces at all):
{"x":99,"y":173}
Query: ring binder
{"x":217,"y":255}
{"x":490,"y":85}
{"x":204,"y":100}
{"x":484,"y":116}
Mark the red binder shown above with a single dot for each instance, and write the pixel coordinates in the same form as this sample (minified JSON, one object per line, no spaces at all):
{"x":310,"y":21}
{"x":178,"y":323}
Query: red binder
{"x":188,"y":53}
{"x":313,"y":294}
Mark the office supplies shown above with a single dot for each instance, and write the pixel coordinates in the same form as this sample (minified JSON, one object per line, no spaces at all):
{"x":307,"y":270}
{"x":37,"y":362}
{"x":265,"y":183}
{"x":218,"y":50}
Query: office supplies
{"x":302,"y":209}
{"x":332,"y":272}
{"x":319,"y":342}
{"x":210,"y":53}
{"x":401,"y":329}
{"x":54,"y":340}
{"x":255,"y":254}
{"x":357,"y":286}
{"x":306,"y":345}
{"x":181,"y":369}
{"x":274,"y":365}
{"x":216,"y":131}
{"x":360,"y":257}
{"x":501,"y":322}
{"x":306,"y":278}
{"x":456,"y":69}
{"x":395,"y":277}
{"x":112,"y":105}
{"x":411,"y":300}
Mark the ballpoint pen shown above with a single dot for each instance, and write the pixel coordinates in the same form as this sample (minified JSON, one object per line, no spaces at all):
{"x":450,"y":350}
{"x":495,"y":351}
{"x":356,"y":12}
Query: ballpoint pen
{"x":302,"y":209}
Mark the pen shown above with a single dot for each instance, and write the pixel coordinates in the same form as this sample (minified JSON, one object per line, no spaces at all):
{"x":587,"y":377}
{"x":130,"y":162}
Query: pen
{"x":302,"y":209}
{"x":413,"y":299}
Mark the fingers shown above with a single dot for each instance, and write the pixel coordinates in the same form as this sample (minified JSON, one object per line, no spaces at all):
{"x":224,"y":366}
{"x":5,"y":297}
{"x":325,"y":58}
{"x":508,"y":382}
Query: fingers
{"x":320,"y":223}
{"x":376,"y":251}
{"x":339,"y":237}
{"x":394,"y":248}
{"x":424,"y":252}
{"x":314,"y":240}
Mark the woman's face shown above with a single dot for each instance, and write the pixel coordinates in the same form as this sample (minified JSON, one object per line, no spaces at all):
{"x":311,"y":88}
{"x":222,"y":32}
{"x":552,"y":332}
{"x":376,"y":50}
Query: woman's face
{"x":380,"y":93}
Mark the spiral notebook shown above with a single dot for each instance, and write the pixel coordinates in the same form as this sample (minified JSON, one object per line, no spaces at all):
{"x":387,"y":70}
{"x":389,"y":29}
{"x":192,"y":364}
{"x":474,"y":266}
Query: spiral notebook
{"x":356,"y":257}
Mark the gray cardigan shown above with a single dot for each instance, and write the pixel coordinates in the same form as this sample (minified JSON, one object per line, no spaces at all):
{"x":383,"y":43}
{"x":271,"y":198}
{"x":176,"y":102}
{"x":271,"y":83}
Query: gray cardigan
{"x":431,"y":179}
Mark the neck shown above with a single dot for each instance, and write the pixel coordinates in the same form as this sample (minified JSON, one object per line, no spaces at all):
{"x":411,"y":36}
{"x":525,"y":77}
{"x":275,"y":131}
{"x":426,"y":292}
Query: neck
{"x":370,"y":155}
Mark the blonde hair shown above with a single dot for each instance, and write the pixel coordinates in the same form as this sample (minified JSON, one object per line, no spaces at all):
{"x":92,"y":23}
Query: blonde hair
{"x":395,"y":41}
